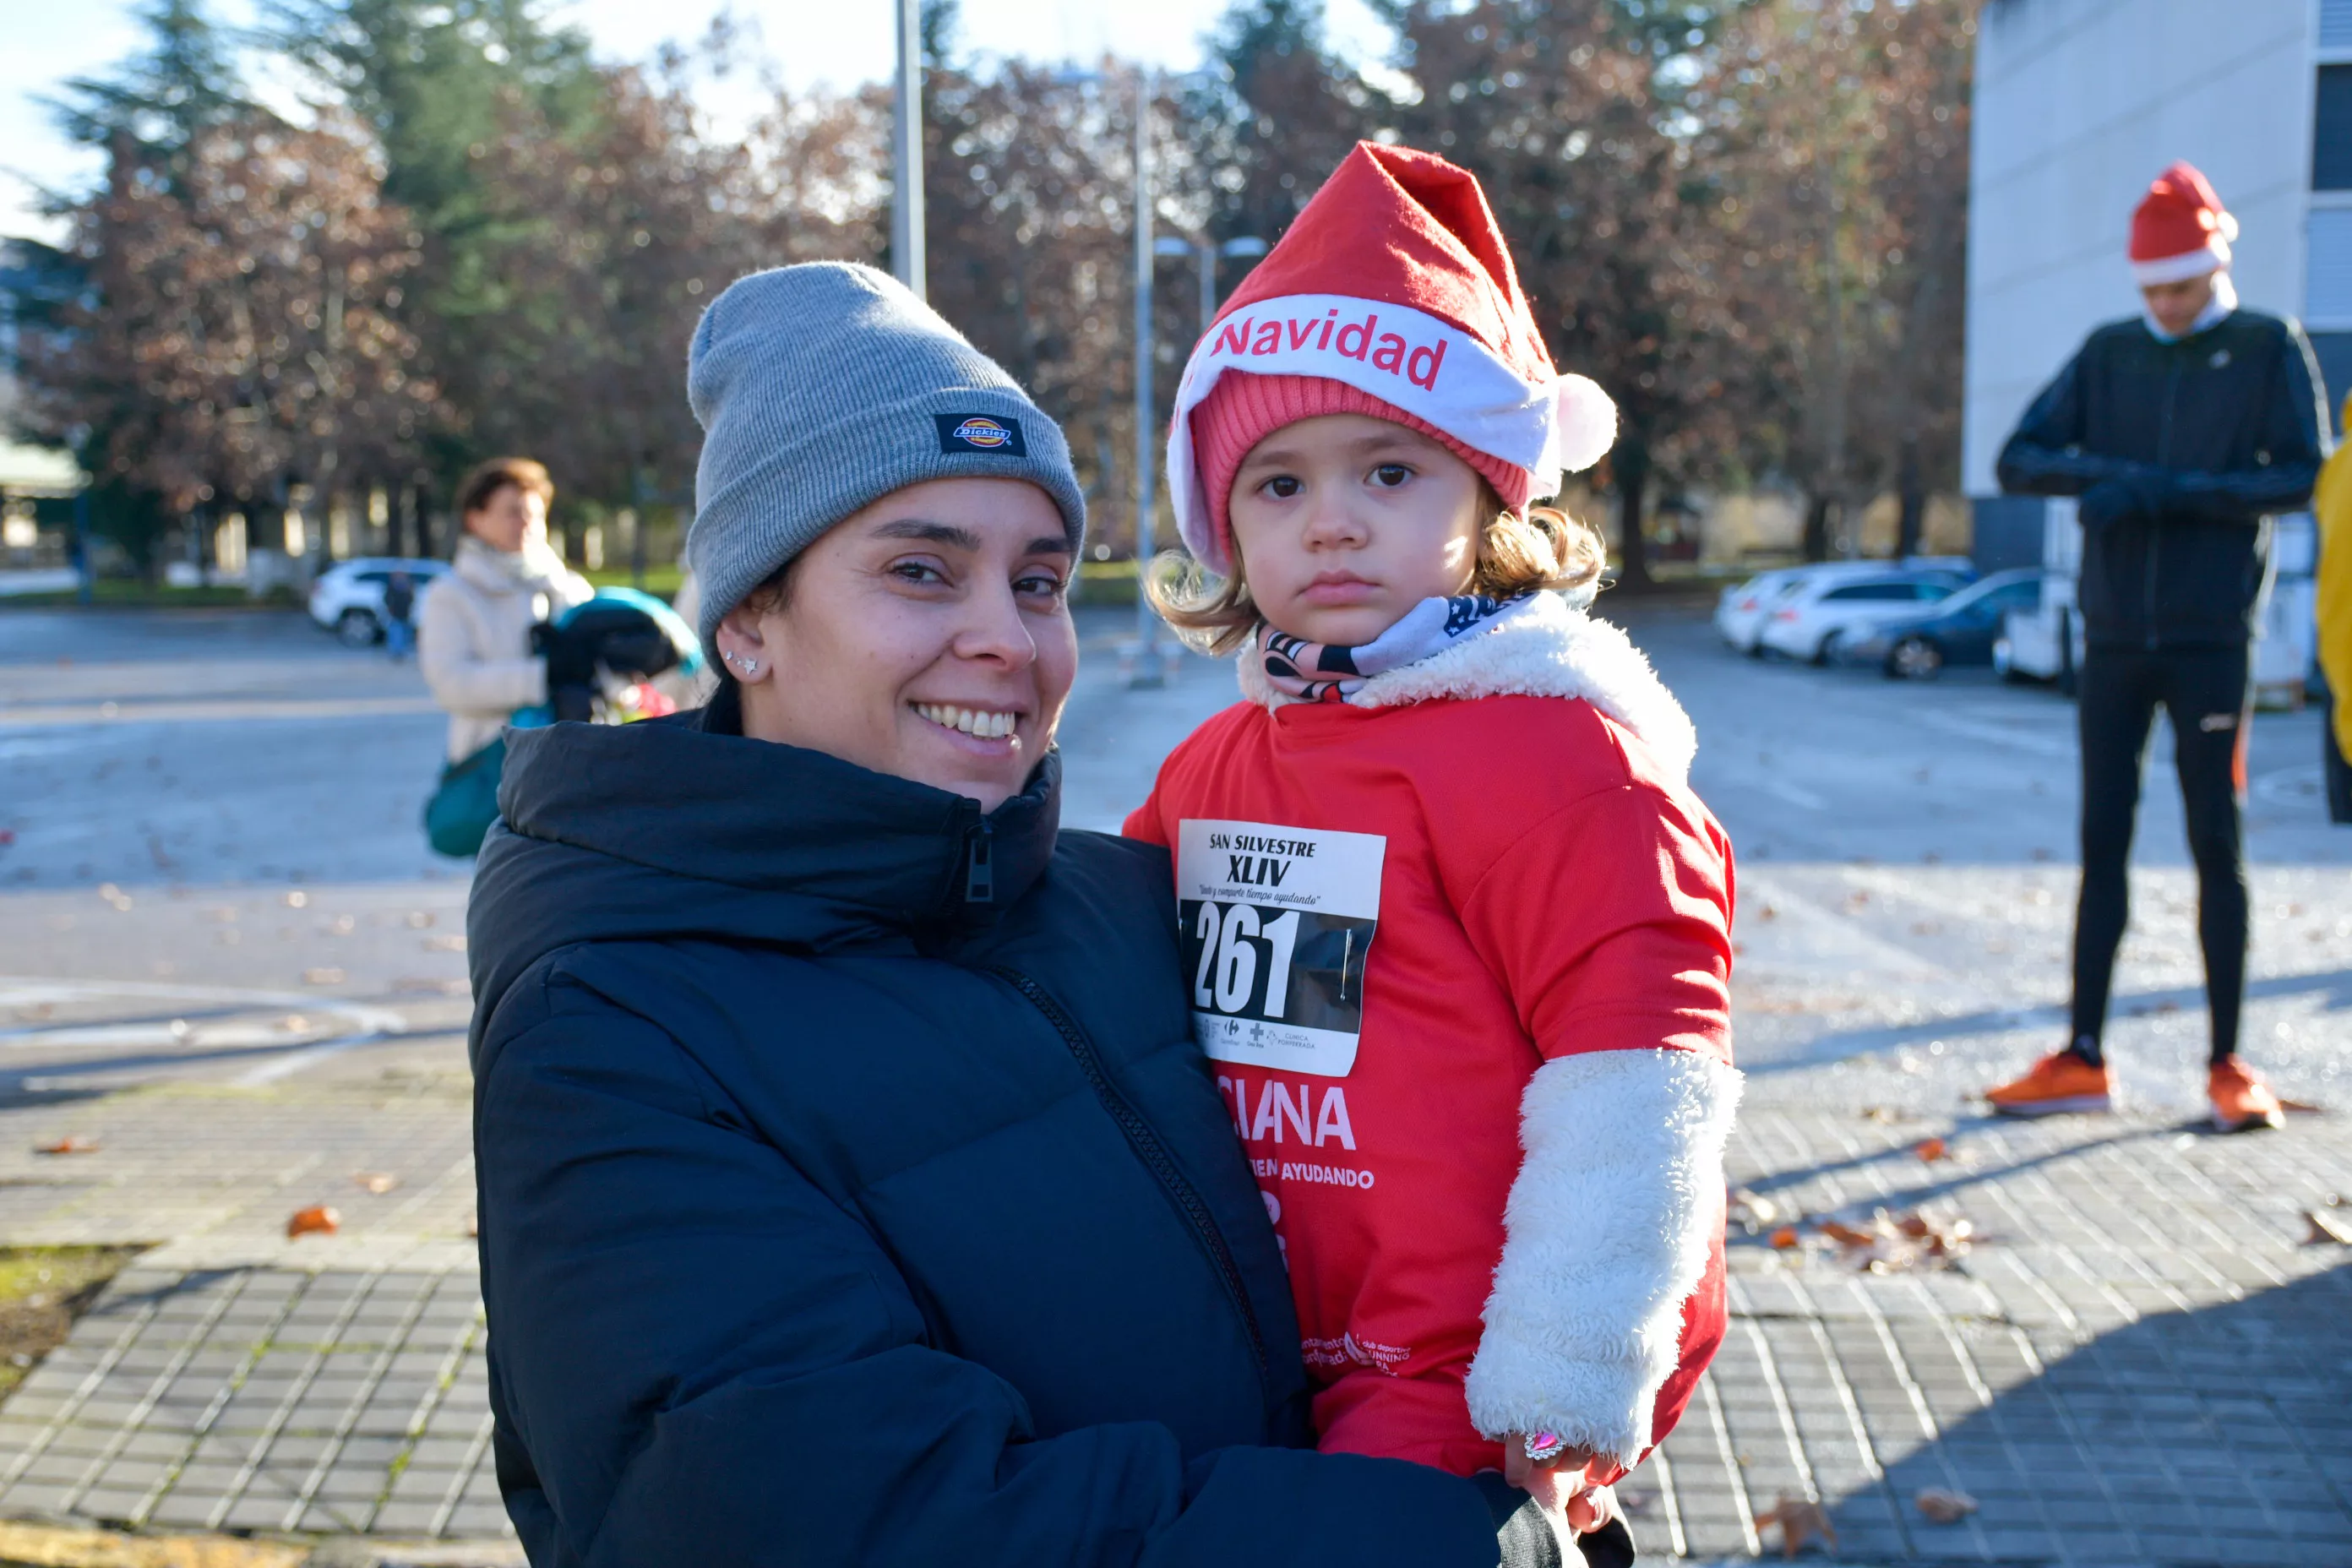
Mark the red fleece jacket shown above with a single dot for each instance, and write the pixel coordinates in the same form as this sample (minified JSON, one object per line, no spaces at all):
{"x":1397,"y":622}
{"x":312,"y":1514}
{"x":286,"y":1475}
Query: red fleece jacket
{"x":1480,"y":888}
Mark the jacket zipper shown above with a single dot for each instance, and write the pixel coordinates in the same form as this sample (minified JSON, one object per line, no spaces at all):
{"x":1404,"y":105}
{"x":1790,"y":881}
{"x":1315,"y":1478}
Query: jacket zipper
{"x":979,"y":864}
{"x":2154,"y":534}
{"x":1157,"y":1160}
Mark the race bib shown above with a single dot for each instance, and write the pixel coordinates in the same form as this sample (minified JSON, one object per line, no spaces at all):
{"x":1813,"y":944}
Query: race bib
{"x":1277,"y":923}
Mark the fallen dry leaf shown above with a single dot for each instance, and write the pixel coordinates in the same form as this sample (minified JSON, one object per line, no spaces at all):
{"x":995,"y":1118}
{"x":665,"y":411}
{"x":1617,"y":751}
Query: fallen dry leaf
{"x":1931,"y":1149}
{"x":317,"y":1219}
{"x":1878,"y":1113}
{"x":1890,"y":1243}
{"x":69,"y":1145}
{"x":322,"y":976}
{"x":376,"y":1181}
{"x":1941,"y":1507}
{"x":2327,"y":1226}
{"x":1785,"y":1237}
{"x":1801,"y":1522}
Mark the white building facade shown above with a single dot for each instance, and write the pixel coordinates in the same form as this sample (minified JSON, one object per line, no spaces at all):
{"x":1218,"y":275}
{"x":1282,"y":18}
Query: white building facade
{"x":2078,"y":105}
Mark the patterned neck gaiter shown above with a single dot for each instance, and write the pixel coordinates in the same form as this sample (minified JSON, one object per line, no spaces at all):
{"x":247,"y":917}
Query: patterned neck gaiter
{"x":1327,"y":672}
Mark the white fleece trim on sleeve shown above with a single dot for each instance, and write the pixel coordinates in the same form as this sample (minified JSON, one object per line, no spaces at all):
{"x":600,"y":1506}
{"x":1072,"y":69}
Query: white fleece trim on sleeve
{"x":1608,"y":1232}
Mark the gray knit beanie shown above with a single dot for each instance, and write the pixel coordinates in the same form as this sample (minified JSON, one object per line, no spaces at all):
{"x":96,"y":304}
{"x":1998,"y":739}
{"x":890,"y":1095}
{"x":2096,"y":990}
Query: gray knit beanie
{"x":821,"y":389}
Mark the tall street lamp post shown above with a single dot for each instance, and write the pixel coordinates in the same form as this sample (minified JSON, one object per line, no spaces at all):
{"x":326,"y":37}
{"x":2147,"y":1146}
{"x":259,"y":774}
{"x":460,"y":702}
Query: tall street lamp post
{"x":1146,"y":671}
{"x":1149,"y":669}
{"x":906,"y":167}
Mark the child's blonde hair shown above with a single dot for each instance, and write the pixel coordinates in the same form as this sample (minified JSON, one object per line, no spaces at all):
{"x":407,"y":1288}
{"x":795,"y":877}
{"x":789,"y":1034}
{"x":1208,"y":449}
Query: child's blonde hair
{"x":1544,"y":549}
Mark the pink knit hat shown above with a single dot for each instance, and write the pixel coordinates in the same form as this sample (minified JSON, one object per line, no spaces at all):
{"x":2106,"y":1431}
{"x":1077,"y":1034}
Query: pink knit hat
{"x":1242,"y":410}
{"x":1393,"y":295}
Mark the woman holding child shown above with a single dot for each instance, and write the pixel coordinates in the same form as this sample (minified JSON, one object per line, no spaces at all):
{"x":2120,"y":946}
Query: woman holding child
{"x":854,"y":1189}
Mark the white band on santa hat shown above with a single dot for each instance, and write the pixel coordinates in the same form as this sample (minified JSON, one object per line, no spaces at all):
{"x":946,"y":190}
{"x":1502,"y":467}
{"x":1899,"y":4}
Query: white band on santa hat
{"x":2211,"y":256}
{"x":1424,"y":366}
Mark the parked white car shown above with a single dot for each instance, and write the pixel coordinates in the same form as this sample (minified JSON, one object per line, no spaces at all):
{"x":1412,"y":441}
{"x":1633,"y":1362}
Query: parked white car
{"x":1810,"y":622}
{"x":1740,"y":612}
{"x":347,"y":599}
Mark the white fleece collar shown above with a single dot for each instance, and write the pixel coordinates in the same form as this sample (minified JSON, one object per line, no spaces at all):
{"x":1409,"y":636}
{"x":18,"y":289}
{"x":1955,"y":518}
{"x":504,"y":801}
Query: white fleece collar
{"x":1553,"y":648}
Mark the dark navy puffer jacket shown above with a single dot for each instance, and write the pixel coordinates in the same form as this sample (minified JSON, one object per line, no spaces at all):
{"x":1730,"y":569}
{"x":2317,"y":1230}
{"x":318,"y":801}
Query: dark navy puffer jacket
{"x":852,"y":1192}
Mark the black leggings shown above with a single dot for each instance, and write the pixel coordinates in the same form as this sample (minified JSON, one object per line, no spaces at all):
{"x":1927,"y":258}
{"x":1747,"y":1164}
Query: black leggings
{"x":2205,"y":692}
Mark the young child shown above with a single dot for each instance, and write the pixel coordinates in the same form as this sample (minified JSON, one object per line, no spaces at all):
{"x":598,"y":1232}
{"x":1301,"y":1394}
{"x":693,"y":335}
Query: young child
{"x":1446,"y":893}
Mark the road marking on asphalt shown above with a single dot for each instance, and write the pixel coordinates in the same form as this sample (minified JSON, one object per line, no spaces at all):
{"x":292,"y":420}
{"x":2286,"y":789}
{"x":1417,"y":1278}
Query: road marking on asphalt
{"x":363,"y":1022}
{"x":2062,"y":749}
{"x":1838,"y":928}
{"x":1795,"y":795}
{"x":314,"y":710}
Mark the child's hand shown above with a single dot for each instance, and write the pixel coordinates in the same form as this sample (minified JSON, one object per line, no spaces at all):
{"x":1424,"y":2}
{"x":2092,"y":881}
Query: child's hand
{"x":1561,"y":1485}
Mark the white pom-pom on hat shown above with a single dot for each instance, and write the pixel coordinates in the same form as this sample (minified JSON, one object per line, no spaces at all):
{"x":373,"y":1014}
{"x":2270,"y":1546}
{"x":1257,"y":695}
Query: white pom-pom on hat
{"x":1584,"y":422}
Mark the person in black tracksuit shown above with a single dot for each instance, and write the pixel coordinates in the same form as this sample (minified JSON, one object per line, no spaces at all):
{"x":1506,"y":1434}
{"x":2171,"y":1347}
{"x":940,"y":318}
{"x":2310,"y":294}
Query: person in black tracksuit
{"x":2182,"y":449}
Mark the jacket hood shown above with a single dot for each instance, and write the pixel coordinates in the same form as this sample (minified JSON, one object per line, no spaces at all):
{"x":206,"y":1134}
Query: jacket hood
{"x":681,"y":827}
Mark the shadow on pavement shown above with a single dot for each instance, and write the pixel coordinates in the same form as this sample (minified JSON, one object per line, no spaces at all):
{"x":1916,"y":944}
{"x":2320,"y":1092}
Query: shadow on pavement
{"x":2335,"y":985}
{"x":2221,"y":1436}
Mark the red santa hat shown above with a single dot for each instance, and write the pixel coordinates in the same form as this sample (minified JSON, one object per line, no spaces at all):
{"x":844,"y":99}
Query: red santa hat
{"x":1394,"y":294}
{"x":2181,"y":230}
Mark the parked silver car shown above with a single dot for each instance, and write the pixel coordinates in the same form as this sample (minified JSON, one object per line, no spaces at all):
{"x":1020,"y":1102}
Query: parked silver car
{"x":1741,"y":611}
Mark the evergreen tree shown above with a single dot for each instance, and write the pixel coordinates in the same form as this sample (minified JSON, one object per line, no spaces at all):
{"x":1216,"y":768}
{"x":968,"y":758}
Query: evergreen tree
{"x":1284,"y":114}
{"x":446,"y":88}
{"x":153,"y":104}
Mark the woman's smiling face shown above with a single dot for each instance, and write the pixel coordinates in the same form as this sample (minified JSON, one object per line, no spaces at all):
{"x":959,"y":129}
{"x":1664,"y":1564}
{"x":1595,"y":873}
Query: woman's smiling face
{"x":927,"y":635}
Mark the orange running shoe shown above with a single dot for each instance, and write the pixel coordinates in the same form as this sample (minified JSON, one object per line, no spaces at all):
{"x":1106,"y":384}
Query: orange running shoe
{"x":2058,"y":1083}
{"x":2242,"y":1101}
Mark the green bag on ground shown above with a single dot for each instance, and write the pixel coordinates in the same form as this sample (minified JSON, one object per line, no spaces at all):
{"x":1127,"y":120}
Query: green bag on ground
{"x":465,"y":803}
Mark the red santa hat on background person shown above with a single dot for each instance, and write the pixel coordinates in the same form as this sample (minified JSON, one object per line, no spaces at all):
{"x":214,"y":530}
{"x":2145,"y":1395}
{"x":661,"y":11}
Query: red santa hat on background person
{"x":1392,"y":295}
{"x":2181,"y":230}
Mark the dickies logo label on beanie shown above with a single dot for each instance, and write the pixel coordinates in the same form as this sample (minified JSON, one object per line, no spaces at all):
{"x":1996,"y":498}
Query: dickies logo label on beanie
{"x":1395,"y":281}
{"x":981,"y":433}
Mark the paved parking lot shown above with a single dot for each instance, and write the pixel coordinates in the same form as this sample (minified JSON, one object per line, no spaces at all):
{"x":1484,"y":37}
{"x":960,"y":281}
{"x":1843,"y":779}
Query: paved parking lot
{"x":234,"y":973}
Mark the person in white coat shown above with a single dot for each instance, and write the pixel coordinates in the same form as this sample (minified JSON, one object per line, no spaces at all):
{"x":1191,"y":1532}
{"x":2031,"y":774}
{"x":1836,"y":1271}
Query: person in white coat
{"x":473,"y":630}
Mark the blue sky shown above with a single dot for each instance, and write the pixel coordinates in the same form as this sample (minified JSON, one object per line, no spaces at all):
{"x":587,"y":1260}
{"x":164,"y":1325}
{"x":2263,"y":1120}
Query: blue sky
{"x":838,"y":42}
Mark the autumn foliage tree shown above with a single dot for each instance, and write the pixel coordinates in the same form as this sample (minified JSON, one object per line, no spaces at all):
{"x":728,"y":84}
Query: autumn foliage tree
{"x":1744,"y":217}
{"x":1556,"y":106}
{"x":240,"y":337}
{"x":1835,"y":146}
